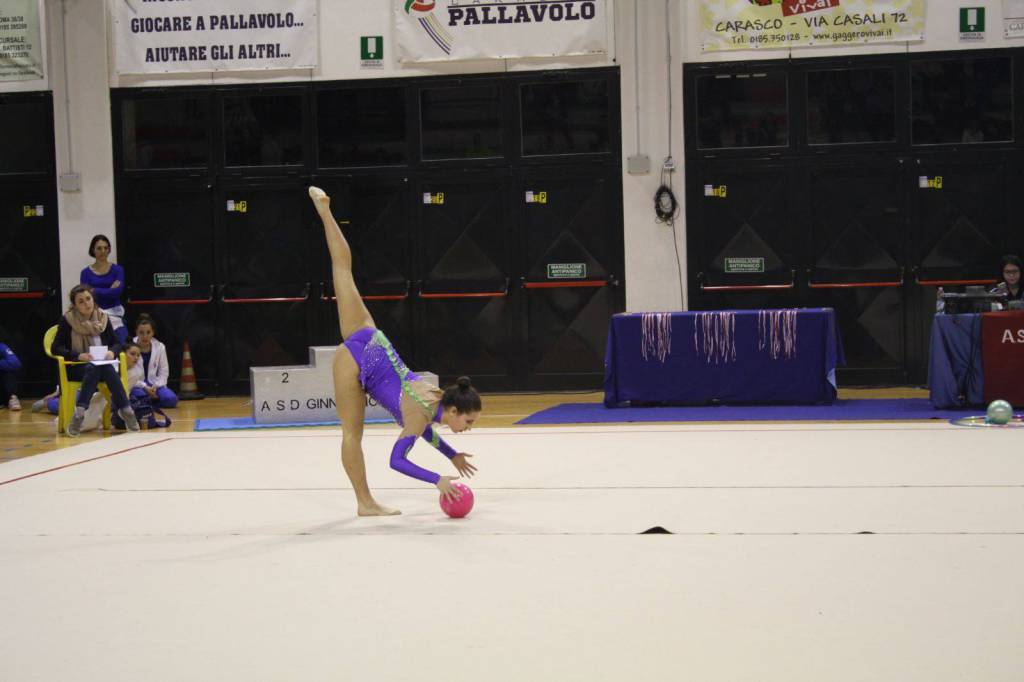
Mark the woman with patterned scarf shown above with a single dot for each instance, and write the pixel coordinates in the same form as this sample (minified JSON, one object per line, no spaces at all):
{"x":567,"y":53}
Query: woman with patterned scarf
{"x":82,"y":326}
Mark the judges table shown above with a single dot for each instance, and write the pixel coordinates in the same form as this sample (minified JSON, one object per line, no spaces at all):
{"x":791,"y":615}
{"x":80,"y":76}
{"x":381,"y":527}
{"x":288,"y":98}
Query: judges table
{"x":976,"y":358}
{"x":729,"y":357}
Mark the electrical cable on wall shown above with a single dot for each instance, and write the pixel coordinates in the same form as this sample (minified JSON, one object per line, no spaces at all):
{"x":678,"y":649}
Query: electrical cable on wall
{"x":665,"y":204}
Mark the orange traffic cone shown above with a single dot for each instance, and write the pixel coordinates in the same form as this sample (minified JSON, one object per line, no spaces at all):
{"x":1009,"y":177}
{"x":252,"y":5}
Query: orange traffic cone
{"x":188,"y":389}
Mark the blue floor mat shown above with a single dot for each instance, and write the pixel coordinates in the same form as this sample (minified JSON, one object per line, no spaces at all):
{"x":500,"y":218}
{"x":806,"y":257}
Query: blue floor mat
{"x":841,"y":410}
{"x":234,"y":423}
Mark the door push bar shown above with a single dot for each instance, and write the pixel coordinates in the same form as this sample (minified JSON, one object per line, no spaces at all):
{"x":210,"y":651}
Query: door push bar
{"x":749,"y":287}
{"x":26,"y":294}
{"x":569,"y":284}
{"x":951,"y":282}
{"x":371,"y":297}
{"x":459,"y":294}
{"x":273,"y":299}
{"x":855,"y":285}
{"x":173,"y":301}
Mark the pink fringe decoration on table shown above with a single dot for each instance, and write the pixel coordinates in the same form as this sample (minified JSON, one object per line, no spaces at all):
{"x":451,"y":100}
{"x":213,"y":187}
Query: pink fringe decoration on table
{"x":776,"y":332}
{"x":657,"y":336}
{"x":714,"y":336}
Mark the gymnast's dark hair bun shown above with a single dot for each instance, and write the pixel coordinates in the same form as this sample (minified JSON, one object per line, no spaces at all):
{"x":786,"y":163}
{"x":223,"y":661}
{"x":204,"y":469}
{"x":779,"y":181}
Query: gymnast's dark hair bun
{"x":462,"y":396}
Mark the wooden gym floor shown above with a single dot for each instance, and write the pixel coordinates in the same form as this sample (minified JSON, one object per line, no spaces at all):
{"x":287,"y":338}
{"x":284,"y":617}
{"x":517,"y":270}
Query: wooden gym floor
{"x":23,"y":434}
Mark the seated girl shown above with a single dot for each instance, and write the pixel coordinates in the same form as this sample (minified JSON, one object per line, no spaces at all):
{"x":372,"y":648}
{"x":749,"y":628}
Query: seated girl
{"x":155,"y":369}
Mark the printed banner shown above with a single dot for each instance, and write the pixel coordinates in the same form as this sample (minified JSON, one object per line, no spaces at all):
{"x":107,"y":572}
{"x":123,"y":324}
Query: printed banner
{"x":447,"y":30}
{"x":1013,"y":18}
{"x":755,"y":24}
{"x":21,"y":53}
{"x":1002,"y":356}
{"x":214,"y":35}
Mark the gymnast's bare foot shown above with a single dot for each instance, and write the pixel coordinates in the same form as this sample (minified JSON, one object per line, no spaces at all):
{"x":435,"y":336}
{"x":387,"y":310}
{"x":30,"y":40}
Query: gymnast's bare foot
{"x":375,"y":509}
{"x":320,"y":199}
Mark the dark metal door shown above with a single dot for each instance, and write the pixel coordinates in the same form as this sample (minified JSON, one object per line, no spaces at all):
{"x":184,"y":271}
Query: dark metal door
{"x":571,"y":245}
{"x":166,"y":235}
{"x":856,"y":240}
{"x":267,"y":273}
{"x":30,"y":276}
{"x":961,"y":225}
{"x":464,"y":297}
{"x":373,"y":213}
{"x":741,"y":236}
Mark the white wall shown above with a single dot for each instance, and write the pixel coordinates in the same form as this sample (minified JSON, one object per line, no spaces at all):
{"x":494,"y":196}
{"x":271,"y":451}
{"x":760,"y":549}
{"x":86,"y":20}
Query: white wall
{"x":87,"y":148}
{"x":655,"y":279}
{"x":652,"y":275}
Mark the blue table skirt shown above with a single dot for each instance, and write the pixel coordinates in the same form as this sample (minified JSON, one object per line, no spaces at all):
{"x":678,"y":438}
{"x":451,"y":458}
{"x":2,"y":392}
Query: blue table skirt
{"x":729,"y":357}
{"x":955,"y":372}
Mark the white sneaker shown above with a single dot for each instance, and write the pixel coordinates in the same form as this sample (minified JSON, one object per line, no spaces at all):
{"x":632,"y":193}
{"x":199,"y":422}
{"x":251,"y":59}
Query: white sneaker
{"x":14,"y":405}
{"x":129,"y":418}
{"x":75,"y":427}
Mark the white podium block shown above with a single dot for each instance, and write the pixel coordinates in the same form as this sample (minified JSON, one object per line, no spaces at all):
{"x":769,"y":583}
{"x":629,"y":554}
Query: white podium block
{"x":304,"y":394}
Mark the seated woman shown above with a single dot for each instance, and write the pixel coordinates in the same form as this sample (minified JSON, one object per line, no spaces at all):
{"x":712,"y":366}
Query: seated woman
{"x":82,"y":326}
{"x":1010,"y":283}
{"x":155,"y":369}
{"x":9,"y":365}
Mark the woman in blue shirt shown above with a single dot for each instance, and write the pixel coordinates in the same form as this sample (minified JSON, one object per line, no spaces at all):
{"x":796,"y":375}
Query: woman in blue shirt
{"x":107,"y":282}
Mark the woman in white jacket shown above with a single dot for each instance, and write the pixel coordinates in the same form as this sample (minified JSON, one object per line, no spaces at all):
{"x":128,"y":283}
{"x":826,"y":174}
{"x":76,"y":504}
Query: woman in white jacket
{"x":154,"y":362}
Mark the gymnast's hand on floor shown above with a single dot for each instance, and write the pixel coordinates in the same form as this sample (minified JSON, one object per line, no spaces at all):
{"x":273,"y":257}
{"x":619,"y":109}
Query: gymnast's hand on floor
{"x":464,"y":467}
{"x":444,"y":484}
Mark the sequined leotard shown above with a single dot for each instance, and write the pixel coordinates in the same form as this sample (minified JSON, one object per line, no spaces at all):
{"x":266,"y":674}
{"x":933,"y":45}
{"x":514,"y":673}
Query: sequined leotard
{"x":401,"y":392}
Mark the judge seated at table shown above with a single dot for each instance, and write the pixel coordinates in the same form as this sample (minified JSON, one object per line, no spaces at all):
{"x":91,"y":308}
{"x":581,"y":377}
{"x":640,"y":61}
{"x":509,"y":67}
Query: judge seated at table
{"x":1010,"y":283}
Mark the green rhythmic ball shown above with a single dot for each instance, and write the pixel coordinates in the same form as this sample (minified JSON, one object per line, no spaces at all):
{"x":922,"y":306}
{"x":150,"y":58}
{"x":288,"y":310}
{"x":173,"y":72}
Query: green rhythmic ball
{"x":999,"y":412}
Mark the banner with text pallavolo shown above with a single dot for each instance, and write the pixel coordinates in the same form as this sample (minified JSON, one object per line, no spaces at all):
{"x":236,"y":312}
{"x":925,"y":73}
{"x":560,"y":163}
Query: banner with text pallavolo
{"x":774,"y":24}
{"x":445,"y":30}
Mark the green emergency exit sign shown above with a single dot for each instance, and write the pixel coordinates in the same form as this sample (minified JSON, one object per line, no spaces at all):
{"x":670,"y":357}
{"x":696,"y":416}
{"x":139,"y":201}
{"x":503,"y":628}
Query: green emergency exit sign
{"x":371,"y":51}
{"x":972,"y":19}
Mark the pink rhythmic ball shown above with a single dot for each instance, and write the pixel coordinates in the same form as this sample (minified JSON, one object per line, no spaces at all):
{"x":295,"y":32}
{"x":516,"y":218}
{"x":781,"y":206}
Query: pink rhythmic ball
{"x":460,"y":507}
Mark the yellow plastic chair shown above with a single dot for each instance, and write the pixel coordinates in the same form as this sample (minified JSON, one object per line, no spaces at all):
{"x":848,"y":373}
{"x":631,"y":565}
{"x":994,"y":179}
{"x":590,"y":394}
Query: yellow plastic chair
{"x":69,"y":389}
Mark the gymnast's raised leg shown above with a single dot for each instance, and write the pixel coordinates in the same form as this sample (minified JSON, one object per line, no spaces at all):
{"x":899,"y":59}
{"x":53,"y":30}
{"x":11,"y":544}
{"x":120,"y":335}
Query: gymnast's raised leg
{"x":348,"y":392}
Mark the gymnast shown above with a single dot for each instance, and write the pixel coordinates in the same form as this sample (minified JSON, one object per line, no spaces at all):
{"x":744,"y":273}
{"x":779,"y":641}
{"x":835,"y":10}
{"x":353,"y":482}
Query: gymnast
{"x":366,"y":363}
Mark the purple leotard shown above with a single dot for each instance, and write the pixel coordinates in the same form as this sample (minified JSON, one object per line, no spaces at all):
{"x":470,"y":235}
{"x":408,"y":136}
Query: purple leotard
{"x":385,"y":378}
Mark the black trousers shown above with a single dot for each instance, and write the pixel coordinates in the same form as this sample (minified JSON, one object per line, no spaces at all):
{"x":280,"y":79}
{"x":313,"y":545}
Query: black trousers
{"x":8,"y":386}
{"x":91,"y":375}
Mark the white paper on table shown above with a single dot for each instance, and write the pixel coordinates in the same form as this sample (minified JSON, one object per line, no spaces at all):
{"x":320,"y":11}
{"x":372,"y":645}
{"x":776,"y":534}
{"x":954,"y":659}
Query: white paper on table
{"x":103,"y":362}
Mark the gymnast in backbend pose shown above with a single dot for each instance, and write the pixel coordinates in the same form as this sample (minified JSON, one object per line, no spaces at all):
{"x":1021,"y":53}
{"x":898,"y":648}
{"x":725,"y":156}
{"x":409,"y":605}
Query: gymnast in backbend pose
{"x":366,"y":363}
